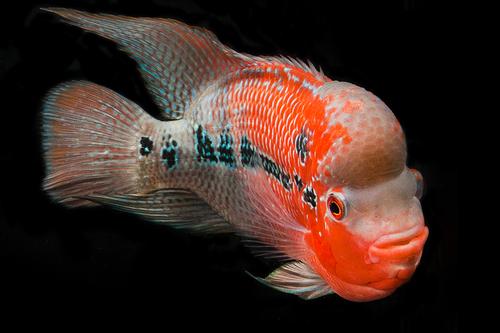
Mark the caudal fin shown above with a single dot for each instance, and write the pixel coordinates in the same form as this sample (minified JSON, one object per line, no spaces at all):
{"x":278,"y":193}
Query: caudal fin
{"x":91,"y":141}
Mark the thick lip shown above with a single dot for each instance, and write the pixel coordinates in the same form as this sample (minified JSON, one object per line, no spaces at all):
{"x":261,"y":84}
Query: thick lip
{"x":402,"y":246}
{"x":399,"y":237}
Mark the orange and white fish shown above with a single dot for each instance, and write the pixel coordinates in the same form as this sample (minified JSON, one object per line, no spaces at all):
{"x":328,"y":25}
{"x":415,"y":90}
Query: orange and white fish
{"x":268,"y":147}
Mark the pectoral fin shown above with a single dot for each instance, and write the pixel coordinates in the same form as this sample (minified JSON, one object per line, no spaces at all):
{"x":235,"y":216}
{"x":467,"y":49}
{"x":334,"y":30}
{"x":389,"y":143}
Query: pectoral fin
{"x":297,"y":278}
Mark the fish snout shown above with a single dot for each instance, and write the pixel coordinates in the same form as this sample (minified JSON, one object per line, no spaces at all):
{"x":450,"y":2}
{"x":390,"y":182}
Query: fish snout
{"x":403,"y":247}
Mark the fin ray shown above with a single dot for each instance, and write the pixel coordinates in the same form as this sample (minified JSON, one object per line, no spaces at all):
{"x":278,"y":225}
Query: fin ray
{"x":90,"y":136}
{"x":175,"y":59}
{"x":297,"y":278}
{"x":270,"y":228}
{"x":306,"y":66}
{"x":177,"y":208}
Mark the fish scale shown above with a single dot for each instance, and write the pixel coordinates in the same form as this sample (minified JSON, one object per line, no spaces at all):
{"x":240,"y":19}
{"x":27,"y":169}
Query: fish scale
{"x":262,"y":118}
{"x":249,"y":121}
{"x":308,"y":169}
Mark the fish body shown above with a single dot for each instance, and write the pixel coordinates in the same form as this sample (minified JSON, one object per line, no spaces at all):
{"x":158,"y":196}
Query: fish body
{"x":313,"y":170}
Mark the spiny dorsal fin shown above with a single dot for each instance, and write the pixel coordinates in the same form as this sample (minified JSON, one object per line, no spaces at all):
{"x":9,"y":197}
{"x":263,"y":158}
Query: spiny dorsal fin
{"x":175,"y":207}
{"x":175,"y":59}
{"x":297,"y":278}
{"x":303,"y":65}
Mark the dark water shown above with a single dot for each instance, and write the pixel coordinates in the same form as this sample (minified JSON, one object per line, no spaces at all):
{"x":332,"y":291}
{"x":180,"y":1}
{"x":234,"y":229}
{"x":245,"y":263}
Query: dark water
{"x":77,"y":265}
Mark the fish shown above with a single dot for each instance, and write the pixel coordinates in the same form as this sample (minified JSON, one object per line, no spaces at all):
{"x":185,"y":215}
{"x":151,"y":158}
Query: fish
{"x":308,"y":170}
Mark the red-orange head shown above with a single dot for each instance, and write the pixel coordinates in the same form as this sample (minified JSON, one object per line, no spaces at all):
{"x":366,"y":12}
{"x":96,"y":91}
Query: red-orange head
{"x":369,"y":231}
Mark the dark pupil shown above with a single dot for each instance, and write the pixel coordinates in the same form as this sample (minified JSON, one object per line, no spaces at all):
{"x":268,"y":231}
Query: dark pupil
{"x":334,"y":208}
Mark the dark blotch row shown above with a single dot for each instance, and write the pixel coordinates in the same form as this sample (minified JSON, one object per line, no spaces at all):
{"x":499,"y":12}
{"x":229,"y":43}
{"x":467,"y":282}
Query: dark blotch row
{"x":146,"y":146}
{"x":298,"y":182}
{"x":285,"y":181}
{"x":225,"y":149}
{"x":270,"y":166}
{"x":309,"y":196}
{"x":247,"y":152}
{"x":204,"y":146}
{"x":248,"y":155}
{"x":273,"y":169}
{"x":169,"y":153}
{"x":301,"y":146}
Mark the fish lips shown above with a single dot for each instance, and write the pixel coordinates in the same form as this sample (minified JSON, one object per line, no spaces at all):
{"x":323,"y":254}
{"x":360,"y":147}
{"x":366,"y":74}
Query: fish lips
{"x":400,"y":248}
{"x":401,"y":252}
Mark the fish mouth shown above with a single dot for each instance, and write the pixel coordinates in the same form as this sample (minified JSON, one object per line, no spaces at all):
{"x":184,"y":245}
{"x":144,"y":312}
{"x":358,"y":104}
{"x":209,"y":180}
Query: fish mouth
{"x":403,"y":247}
{"x":402,"y":251}
{"x":397,"y":255}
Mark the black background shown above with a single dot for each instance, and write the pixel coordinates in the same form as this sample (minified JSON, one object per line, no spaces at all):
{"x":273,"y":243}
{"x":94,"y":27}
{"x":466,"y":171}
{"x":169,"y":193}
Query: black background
{"x":57,"y":263}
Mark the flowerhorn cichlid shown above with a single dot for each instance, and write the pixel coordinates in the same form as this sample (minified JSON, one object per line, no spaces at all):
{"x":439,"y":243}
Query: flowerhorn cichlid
{"x":312,"y":170}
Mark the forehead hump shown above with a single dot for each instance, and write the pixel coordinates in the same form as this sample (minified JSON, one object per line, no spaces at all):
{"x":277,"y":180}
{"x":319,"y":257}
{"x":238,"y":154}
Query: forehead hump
{"x":372,"y":147}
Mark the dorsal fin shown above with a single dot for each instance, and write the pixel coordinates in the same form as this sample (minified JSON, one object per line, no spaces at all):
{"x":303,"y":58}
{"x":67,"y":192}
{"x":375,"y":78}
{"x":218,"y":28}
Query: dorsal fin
{"x":305,"y":66}
{"x":176,"y":60}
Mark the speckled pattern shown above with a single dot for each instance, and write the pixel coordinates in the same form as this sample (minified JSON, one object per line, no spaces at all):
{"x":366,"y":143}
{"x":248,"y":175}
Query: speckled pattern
{"x":264,"y":141}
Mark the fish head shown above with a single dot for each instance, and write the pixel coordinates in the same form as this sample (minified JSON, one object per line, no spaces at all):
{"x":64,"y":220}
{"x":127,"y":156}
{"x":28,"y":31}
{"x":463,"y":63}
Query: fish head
{"x":370,"y":229}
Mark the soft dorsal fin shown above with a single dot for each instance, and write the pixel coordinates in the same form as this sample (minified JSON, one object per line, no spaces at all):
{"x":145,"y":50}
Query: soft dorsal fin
{"x":176,"y":60}
{"x":297,"y":278}
{"x":177,"y":208}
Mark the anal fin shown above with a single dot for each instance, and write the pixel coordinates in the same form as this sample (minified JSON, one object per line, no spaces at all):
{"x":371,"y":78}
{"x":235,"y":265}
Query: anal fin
{"x":178,"y":208}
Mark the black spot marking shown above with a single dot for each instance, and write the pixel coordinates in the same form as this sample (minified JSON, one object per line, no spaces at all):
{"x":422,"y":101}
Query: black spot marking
{"x":270,"y":166}
{"x":247,"y":152}
{"x":169,"y":153}
{"x":298,"y":181}
{"x":309,"y":196}
{"x":146,"y":146}
{"x":301,"y":146}
{"x":248,"y":156}
{"x":204,"y":146}
{"x":225,"y":149}
{"x":273,"y":169}
{"x":285,"y":181}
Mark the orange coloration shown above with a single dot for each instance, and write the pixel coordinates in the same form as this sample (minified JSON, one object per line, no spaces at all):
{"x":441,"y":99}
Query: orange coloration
{"x":269,"y":147}
{"x":346,"y":267}
{"x":275,"y":106}
{"x":272,"y":119}
{"x":352,"y":106}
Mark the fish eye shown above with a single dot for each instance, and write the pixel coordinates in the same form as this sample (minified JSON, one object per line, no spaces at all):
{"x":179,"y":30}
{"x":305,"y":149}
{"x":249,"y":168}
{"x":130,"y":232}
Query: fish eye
{"x":420,"y":183}
{"x":336,"y":206}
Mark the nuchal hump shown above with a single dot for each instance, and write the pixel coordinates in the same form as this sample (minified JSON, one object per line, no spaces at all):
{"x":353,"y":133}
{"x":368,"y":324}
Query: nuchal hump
{"x":369,"y":144}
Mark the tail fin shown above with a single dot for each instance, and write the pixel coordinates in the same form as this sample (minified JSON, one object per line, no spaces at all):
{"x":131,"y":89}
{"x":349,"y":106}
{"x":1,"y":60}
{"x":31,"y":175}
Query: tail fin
{"x":91,"y":142}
